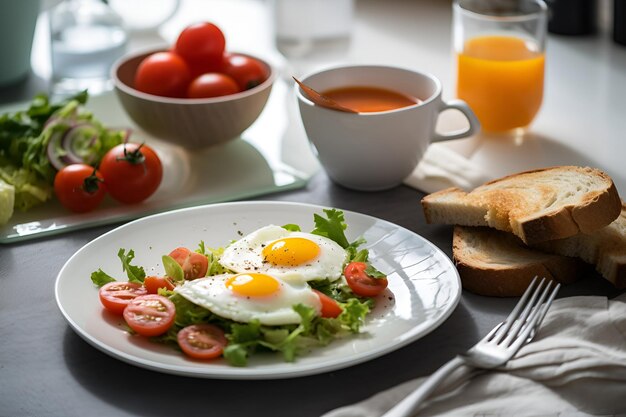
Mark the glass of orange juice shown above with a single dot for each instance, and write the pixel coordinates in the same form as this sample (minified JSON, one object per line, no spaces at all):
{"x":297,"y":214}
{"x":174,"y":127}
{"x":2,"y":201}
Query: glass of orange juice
{"x":500,"y":58}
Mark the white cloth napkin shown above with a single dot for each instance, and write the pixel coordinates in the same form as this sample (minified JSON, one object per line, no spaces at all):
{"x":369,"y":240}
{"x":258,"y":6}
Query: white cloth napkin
{"x":575,"y":366}
{"x":443,"y":168}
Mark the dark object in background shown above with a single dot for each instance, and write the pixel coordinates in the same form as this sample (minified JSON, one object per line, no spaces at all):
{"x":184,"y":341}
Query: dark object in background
{"x":619,"y":21}
{"x":572,"y":17}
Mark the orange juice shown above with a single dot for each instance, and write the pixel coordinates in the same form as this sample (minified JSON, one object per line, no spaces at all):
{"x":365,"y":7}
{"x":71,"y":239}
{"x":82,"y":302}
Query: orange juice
{"x":501,"y":78}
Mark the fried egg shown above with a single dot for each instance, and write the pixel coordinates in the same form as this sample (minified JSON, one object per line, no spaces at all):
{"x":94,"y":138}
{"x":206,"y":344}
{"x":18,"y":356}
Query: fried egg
{"x":292,"y":256}
{"x":249,"y":296}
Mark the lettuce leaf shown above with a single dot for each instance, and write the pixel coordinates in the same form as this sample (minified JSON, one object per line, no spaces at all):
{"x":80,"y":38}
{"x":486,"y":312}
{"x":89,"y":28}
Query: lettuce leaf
{"x":101,"y":278}
{"x":331,"y":227}
{"x":134,"y":273}
{"x":291,"y":340}
{"x":30,"y":190}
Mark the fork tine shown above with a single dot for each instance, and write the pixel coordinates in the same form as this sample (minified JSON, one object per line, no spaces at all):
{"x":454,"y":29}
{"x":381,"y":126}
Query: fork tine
{"x":546,"y":306}
{"x":504,"y":329}
{"x":533,"y":306}
{"x":537,"y":316}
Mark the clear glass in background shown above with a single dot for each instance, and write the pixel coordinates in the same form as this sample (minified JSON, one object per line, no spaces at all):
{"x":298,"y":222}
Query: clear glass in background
{"x":86,"y":37}
{"x":141,"y":16}
{"x":310,"y":33}
{"x":500,"y":58}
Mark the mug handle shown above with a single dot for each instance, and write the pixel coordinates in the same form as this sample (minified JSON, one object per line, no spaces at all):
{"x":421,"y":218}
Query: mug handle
{"x":474,"y":124}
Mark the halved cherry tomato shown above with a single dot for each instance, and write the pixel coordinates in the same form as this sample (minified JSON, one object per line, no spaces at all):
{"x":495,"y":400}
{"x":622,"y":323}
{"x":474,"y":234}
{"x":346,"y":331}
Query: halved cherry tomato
{"x":212,"y":84}
{"x":246,"y":71}
{"x":330,"y":307}
{"x":116,"y":295}
{"x":201,"y":45}
{"x":202,"y":341}
{"x":361,"y":283}
{"x":153,"y":283}
{"x":194,"y":264}
{"x":163,"y":74}
{"x":132,"y":172}
{"x":150,"y":315}
{"x":79,"y":187}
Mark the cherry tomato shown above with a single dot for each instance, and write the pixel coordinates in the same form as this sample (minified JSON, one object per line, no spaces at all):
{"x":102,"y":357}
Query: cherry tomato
{"x":194,"y":264}
{"x":246,"y":71}
{"x":163,"y":74}
{"x":131,"y":172}
{"x":361,"y":283}
{"x":79,"y":187}
{"x":150,"y":315}
{"x":153,"y":283}
{"x":115,"y":296}
{"x":212,"y":84}
{"x":202,"y":46}
{"x":330,"y":307}
{"x":202,"y":341}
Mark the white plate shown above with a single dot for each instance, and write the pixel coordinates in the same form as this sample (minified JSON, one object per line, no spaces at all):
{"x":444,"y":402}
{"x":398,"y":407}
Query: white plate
{"x":423,"y":289}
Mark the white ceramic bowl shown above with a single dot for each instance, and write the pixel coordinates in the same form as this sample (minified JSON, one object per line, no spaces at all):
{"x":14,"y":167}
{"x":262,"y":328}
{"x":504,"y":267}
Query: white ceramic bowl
{"x":191,"y":123}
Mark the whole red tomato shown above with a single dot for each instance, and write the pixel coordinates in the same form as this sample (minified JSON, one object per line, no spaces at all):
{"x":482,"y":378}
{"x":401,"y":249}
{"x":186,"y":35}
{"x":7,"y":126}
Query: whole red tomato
{"x":202,"y":46}
{"x":79,"y":187}
{"x":212,"y":84}
{"x":131,"y":172}
{"x":163,"y":74}
{"x":247,"y":72}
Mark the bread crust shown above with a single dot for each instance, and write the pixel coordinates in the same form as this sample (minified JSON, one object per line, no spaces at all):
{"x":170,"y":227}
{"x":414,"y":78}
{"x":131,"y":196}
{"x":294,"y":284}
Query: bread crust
{"x":500,"y":278}
{"x":606,"y":248}
{"x":596,"y":211}
{"x":504,"y":209}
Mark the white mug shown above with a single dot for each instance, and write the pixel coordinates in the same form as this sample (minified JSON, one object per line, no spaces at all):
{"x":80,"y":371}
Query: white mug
{"x":376,"y":150}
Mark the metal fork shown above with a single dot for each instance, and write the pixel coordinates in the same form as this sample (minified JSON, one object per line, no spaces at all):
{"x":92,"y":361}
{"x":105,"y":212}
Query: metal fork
{"x":493,"y":350}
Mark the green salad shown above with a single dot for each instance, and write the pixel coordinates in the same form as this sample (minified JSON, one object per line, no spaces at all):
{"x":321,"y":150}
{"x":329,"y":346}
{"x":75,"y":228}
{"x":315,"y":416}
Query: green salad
{"x":277,"y":289}
{"x":37,"y":142}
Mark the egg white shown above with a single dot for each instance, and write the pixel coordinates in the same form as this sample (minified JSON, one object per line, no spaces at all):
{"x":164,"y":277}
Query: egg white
{"x":246,"y":255}
{"x":275,"y":309}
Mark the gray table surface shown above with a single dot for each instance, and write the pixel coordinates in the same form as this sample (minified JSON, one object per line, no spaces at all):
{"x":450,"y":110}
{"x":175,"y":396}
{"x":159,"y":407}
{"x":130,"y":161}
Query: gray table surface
{"x":48,"y":370}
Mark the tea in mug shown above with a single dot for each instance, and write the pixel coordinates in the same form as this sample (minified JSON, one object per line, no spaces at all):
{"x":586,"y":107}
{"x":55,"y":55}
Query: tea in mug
{"x":501,"y":78}
{"x":370,"y":99}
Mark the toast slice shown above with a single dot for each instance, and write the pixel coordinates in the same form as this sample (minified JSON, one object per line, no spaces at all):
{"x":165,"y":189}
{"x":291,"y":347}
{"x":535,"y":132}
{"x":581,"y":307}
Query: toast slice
{"x":495,"y":263}
{"x":605,"y":248}
{"x":537,"y":206}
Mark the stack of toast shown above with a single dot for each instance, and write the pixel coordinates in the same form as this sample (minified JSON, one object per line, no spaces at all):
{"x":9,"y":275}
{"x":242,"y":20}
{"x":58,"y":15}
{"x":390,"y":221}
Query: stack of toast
{"x":548,"y":222}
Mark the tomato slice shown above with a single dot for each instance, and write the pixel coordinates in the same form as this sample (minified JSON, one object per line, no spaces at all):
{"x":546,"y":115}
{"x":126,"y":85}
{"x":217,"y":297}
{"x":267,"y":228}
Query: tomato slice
{"x":362,"y":284}
{"x":330,"y":307}
{"x":194,"y":264}
{"x":153,"y":283}
{"x":150,"y":315}
{"x":202,"y":341}
{"x":116,"y":295}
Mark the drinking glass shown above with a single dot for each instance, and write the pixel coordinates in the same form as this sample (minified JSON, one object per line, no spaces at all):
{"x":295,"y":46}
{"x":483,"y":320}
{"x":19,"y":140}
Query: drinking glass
{"x":86,"y":37}
{"x":309,"y":33}
{"x":500,"y":58}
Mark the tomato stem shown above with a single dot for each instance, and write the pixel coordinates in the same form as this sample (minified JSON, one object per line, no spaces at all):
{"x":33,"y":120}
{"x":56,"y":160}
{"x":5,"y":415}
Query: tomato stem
{"x":91,"y":183}
{"x":132,"y":157}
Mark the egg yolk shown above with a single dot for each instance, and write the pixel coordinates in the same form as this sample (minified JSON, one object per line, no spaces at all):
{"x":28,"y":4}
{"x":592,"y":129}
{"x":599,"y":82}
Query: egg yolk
{"x":291,"y":251}
{"x":252,"y":285}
